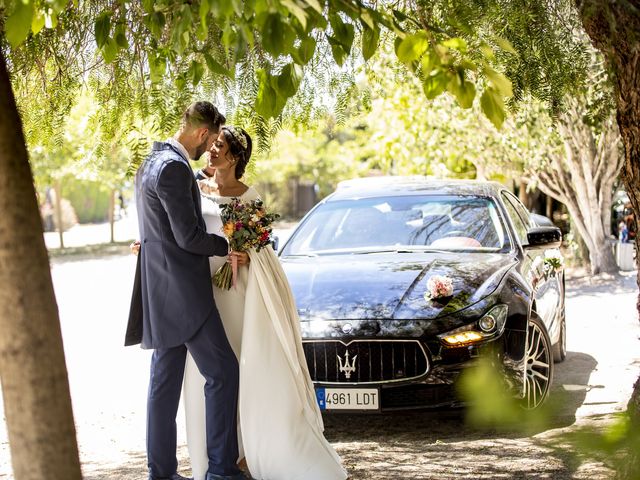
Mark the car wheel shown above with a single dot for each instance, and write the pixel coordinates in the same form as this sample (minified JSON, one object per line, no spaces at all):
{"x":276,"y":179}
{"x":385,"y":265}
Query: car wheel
{"x":538,"y":365}
{"x":560,"y":348}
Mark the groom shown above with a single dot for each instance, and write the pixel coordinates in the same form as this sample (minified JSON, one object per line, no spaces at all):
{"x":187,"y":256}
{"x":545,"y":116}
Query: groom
{"x":176,"y":300}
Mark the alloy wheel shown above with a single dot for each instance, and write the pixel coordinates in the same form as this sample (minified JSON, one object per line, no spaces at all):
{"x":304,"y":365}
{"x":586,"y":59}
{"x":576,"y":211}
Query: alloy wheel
{"x":538,"y":366}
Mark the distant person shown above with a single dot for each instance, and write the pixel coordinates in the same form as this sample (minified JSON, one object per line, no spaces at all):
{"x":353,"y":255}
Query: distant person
{"x":623,"y":232}
{"x":630,"y":221}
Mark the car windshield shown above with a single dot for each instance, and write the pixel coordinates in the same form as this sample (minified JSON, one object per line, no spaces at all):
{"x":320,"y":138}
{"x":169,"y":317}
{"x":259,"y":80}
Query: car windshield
{"x":401,"y":223}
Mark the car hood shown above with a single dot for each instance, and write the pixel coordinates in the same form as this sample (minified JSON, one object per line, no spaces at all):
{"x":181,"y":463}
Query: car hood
{"x":390,"y":286}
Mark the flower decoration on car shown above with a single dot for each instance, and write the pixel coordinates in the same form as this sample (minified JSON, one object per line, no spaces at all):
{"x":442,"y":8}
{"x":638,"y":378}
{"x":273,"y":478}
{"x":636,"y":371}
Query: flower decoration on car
{"x":438,"y":286}
{"x":553,"y":260}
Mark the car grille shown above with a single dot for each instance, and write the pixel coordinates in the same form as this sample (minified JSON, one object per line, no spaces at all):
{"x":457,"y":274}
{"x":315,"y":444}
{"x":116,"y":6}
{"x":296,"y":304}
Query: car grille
{"x":365,"y":361}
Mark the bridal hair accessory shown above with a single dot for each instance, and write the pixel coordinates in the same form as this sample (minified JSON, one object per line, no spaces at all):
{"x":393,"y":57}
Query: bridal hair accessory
{"x":238,"y":135}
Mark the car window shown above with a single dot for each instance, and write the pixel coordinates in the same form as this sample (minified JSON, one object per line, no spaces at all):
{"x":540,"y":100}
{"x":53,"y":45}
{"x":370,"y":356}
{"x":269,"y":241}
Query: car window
{"x":519,"y":224}
{"x":522,"y":211}
{"x":427,"y":221}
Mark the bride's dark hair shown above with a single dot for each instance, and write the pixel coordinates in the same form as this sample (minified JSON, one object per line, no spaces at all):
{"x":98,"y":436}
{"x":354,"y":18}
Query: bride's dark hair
{"x":236,"y":148}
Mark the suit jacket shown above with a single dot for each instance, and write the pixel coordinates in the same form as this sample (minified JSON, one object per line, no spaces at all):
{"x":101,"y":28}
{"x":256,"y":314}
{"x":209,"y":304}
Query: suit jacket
{"x":172,"y":294}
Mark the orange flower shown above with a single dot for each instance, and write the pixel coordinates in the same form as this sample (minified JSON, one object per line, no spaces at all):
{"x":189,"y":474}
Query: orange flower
{"x":229,"y":228}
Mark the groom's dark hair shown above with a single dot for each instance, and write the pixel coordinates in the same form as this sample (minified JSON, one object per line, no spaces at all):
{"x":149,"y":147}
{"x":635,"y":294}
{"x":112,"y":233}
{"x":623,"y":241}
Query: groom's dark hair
{"x":203,"y":114}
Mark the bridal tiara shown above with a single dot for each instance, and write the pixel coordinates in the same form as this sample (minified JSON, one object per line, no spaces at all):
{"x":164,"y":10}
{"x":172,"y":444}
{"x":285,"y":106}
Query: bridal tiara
{"x":238,"y":135}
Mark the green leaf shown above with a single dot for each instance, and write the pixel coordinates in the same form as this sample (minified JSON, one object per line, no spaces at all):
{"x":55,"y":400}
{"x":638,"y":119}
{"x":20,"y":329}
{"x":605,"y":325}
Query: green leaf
{"x":456,"y":43}
{"x":435,"y":84}
{"x":277,"y":36}
{"x":468,"y":65}
{"x":102,"y":28}
{"x":501,"y":83}
{"x":339,"y":55}
{"x":196,"y":71}
{"x":221,"y":9}
{"x":487,"y":52}
{"x":444,"y":54}
{"x":110,"y":50}
{"x":367,"y":19}
{"x":505,"y":45}
{"x":238,"y":7}
{"x":229,"y":35}
{"x":370,"y":39}
{"x":289,"y":80}
{"x":180,"y":81}
{"x":305,"y":51}
{"x":157,"y":68}
{"x":215,"y":67}
{"x":297,"y":11}
{"x":266,"y":98}
{"x":343,"y":32}
{"x":315,"y":4}
{"x":412,"y":47}
{"x":463,"y":90}
{"x":18,"y":25}
{"x":429,"y":61}
{"x":493,"y":106}
{"x":37,"y":22}
{"x":147,"y":5}
{"x":400,"y":16}
{"x":121,"y":37}
{"x":156,"y":24}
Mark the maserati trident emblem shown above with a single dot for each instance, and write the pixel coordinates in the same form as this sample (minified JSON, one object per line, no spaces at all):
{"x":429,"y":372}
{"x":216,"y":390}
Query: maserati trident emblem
{"x":348,"y":367}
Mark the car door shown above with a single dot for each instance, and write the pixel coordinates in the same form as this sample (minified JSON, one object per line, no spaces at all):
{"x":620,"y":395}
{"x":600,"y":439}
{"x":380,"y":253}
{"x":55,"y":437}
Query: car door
{"x":545,"y":284}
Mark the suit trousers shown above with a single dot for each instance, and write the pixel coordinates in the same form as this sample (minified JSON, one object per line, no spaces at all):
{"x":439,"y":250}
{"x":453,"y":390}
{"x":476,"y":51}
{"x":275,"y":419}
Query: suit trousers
{"x":217,"y":363}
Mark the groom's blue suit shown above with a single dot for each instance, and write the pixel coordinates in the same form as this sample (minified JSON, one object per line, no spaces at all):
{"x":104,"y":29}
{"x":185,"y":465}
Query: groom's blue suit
{"x":179,"y":313}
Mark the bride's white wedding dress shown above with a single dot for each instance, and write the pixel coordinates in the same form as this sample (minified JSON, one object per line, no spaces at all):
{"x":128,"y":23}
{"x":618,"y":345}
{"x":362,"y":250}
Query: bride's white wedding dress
{"x":279,"y":422}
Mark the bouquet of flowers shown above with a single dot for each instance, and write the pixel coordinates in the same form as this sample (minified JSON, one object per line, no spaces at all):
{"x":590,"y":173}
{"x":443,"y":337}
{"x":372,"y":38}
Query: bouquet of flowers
{"x":553,"y":259}
{"x":246,"y":225}
{"x":438,"y":286}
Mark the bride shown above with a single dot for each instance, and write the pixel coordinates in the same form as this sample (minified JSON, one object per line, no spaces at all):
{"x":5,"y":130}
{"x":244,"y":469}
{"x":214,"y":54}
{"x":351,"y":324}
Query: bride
{"x":279,"y":423}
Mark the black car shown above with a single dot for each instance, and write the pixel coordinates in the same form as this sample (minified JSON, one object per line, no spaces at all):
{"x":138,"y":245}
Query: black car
{"x":363,"y":262}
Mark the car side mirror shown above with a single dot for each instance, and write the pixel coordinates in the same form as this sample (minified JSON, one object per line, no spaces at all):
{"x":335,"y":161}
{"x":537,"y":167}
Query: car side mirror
{"x":275,"y":242}
{"x":550,"y":237}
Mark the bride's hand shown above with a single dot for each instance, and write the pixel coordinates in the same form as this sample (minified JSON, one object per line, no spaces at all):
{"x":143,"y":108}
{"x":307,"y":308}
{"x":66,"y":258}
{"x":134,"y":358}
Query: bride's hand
{"x":207,"y":187}
{"x":135,"y":247}
{"x":243,"y":257}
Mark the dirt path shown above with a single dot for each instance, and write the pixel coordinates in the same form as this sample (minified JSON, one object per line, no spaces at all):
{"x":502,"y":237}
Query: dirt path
{"x":108,"y":386}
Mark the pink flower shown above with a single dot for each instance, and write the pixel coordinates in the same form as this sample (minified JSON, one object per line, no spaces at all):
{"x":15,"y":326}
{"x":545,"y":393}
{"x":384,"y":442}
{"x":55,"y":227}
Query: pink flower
{"x":239,"y":225}
{"x":439,"y":286}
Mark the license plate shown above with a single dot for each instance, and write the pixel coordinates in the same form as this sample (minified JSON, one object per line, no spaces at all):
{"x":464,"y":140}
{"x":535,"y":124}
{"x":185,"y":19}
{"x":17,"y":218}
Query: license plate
{"x":348,"y":398}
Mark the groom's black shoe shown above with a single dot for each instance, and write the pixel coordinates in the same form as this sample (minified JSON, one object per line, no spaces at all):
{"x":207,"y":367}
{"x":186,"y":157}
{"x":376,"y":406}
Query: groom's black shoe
{"x":175,"y":476}
{"x":239,"y":476}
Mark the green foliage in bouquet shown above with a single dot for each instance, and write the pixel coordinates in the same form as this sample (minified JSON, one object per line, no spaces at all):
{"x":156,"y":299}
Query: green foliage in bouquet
{"x":247,"y":225}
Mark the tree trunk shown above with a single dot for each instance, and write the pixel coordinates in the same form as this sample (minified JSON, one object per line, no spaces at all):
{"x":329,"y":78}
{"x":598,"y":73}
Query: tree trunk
{"x":57,"y":188}
{"x":601,"y":257}
{"x":112,"y":209}
{"x":523,"y":195}
{"x":35,"y":387}
{"x":548,"y":211}
{"x":614,"y":28}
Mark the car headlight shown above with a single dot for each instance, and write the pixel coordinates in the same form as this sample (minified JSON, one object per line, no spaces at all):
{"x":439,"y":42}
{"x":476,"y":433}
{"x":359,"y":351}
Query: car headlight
{"x":489,"y":326}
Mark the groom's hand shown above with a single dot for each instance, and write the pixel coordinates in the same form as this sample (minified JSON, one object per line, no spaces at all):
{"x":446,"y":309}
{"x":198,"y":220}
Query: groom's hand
{"x":242,"y":257}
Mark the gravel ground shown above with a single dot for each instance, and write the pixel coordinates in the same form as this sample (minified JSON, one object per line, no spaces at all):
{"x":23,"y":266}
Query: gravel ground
{"x":108,"y":386}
